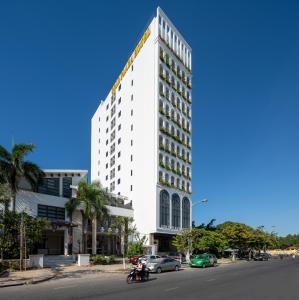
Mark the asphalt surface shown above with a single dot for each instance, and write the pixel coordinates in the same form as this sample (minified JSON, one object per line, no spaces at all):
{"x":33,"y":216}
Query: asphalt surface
{"x":273,"y":280}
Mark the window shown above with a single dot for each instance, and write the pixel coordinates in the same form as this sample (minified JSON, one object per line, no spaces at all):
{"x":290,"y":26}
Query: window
{"x":106,"y":165}
{"x":119,"y":113}
{"x":132,"y":82}
{"x":131,"y":188}
{"x":107,"y":106}
{"x":119,"y":100}
{"x":132,"y":97}
{"x":119,"y":87}
{"x":106,"y":153}
{"x":112,"y":173}
{"x":113,"y":110}
{"x":131,"y":127}
{"x":176,"y":210}
{"x":132,"y":68}
{"x":107,"y":118}
{"x":49,"y":186}
{"x":99,"y":129}
{"x":112,"y":136}
{"x":119,"y":127}
{"x":50,"y":212}
{"x":118,"y":154}
{"x":186,"y":213}
{"x":112,"y":186}
{"x":107,"y":130}
{"x":131,"y":157}
{"x":164,"y":208}
{"x":112,"y":161}
{"x":106,"y":177}
{"x":131,"y":172}
{"x":118,"y":168}
{"x":66,"y":187}
{"x":107,"y":142}
{"x":131,"y":142}
{"x":112,"y":124}
{"x":131,"y":112}
{"x":119,"y":141}
{"x":112,"y":148}
{"x":118,"y":181}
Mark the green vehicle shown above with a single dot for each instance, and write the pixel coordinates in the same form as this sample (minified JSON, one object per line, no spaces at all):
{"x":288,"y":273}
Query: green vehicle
{"x":203,"y":260}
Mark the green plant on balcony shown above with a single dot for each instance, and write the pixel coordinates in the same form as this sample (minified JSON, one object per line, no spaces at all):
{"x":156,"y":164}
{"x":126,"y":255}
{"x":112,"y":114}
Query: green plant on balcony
{"x":162,"y":93}
{"x":189,"y":161}
{"x":189,"y":84}
{"x":167,"y":167}
{"x":161,"y":110}
{"x":173,"y":153}
{"x":173,"y":169}
{"x":161,"y":146}
{"x":162,"y":164}
{"x":168,"y":80}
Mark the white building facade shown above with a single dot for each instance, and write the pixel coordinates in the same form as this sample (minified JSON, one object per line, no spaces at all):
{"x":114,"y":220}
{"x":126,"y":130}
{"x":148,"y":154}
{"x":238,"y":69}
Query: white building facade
{"x":141,"y":134}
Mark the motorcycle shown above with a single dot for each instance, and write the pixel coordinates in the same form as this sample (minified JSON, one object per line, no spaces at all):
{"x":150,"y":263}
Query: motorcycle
{"x":132,"y":276}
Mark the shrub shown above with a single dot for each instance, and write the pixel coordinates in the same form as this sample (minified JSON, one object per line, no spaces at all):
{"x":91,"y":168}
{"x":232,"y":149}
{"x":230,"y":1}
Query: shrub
{"x":102,"y":260}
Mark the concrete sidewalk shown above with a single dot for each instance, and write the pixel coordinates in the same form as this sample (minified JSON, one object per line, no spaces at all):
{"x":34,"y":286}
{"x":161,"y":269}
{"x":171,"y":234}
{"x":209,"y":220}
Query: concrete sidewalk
{"x":41,"y":275}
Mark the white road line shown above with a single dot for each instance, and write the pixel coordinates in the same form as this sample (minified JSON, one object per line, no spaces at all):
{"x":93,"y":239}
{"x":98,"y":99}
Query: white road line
{"x":212,"y":279}
{"x":171,"y":289}
{"x":64,"y":287}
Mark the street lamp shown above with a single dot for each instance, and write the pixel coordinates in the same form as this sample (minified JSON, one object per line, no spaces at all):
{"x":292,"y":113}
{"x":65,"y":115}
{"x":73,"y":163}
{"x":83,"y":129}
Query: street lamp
{"x":202,"y":201}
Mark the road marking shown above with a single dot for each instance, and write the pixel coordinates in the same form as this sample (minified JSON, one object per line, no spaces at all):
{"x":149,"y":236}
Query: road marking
{"x":212,"y":279}
{"x":64,"y":287}
{"x":171,"y":289}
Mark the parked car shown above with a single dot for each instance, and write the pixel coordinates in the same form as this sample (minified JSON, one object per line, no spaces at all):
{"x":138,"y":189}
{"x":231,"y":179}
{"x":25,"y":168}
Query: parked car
{"x":163,"y":264}
{"x":203,"y":260}
{"x":177,"y":256}
{"x":134,"y":259}
{"x":149,"y":257}
{"x":262,"y":257}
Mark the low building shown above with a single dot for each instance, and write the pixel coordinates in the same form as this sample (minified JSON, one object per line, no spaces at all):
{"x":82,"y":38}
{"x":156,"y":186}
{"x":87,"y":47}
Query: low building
{"x":56,"y":188}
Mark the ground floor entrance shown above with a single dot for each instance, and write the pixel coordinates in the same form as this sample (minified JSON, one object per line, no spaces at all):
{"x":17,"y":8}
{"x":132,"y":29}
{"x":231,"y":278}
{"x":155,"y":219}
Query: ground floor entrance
{"x":163,"y":243}
{"x":52,"y":243}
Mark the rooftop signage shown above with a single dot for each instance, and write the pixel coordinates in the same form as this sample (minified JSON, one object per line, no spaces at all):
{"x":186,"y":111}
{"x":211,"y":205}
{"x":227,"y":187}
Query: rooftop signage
{"x":131,"y":59}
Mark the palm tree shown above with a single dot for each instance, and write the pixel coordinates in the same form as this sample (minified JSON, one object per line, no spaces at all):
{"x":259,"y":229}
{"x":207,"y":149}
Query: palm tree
{"x":90,"y":201}
{"x":13,"y":167}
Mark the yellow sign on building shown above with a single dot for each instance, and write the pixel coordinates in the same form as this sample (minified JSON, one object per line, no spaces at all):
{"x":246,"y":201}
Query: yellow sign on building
{"x":131,"y":59}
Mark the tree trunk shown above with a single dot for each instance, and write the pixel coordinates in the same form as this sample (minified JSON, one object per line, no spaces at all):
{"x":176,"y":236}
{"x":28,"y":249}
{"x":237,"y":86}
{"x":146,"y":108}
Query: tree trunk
{"x":13,"y":199}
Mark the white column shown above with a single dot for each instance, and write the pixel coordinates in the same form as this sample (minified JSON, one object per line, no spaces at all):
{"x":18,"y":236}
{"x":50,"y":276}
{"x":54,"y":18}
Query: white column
{"x":66,"y":239}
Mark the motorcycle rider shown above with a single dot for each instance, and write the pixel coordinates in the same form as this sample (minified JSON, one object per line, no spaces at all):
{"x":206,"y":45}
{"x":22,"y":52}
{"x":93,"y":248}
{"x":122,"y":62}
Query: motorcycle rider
{"x":140,"y":270}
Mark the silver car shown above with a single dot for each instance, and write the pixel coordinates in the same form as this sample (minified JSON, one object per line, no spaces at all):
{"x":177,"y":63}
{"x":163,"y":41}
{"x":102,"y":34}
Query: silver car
{"x":163,"y":264}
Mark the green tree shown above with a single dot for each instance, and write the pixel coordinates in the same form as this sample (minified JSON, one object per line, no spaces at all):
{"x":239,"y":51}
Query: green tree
{"x":200,"y":240}
{"x":13,"y":167}
{"x":136,"y":247}
{"x":239,"y":236}
{"x":9,"y":241}
{"x":125,"y":224}
{"x":90,"y":200}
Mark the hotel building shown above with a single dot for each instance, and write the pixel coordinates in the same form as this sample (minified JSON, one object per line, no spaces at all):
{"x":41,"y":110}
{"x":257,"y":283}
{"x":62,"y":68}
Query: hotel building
{"x":141,"y":134}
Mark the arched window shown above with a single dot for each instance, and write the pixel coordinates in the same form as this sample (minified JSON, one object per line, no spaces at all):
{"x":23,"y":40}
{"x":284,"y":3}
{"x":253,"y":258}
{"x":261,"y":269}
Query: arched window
{"x":176,"y":210}
{"x":164,"y":208}
{"x":186,"y":213}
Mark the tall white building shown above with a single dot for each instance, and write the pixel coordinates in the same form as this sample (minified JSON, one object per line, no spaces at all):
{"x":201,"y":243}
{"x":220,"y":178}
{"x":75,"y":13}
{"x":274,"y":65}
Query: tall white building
{"x":141,"y":133}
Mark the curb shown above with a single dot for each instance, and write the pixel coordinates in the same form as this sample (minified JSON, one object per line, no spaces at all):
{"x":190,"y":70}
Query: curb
{"x":27,"y":282}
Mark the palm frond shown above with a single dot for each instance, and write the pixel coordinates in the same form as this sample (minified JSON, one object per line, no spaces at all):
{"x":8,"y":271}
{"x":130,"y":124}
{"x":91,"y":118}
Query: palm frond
{"x":21,"y":150}
{"x":4,"y":155}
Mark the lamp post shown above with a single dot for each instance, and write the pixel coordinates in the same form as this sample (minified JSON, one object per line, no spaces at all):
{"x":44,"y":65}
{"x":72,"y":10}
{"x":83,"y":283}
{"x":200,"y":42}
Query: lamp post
{"x":202,"y":201}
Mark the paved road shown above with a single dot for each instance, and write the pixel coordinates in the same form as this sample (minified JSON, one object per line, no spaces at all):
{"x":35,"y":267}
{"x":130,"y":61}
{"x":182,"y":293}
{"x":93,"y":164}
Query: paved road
{"x":273,"y":280}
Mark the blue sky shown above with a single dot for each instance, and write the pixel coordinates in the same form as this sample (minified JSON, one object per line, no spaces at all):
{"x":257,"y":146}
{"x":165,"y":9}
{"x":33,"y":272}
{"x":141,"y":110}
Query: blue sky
{"x":58,"y":58}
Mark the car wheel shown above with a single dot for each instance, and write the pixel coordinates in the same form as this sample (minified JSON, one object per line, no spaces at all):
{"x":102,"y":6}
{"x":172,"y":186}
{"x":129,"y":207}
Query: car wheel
{"x":159,"y":270}
{"x":176,"y":268}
